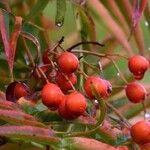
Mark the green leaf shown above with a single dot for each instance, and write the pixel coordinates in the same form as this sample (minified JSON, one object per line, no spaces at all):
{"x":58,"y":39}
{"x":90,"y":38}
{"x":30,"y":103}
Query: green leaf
{"x":61,"y":11}
{"x":16,"y":117}
{"x":37,"y":9}
{"x":87,"y":24}
{"x":29,"y":133}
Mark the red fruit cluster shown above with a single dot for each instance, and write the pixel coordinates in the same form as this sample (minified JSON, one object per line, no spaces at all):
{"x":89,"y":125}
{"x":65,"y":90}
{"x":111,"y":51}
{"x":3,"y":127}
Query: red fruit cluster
{"x":69,"y":106}
{"x":135,"y":92}
{"x":140,"y":132}
{"x":103,"y":87}
{"x":138,"y":66}
{"x":73,"y":104}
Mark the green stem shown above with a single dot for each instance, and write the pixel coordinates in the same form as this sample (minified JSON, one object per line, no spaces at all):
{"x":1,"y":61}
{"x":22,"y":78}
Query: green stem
{"x":122,"y":118}
{"x":107,"y":56}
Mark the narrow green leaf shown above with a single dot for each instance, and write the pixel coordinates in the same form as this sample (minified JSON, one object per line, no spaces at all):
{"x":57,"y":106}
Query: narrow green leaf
{"x":16,"y":117}
{"x":81,"y":143}
{"x":61,"y":11}
{"x":29,"y":133}
{"x":87,"y":24}
{"x":37,"y":9}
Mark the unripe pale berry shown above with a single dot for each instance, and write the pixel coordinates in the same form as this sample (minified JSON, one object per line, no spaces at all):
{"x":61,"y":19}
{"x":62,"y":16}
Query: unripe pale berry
{"x":103,"y":87}
{"x":63,"y":82}
{"x":52,"y":95}
{"x":68,"y":62}
{"x":135,"y":92}
{"x":138,"y":65}
{"x":140,"y":132}
{"x":76,"y":103}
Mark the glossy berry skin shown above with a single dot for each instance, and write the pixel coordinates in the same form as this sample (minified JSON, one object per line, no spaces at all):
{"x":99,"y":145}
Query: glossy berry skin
{"x":64,"y":113}
{"x":138,"y":65}
{"x":52,"y":95}
{"x":103,"y":87}
{"x":145,"y":146}
{"x":63,"y":82}
{"x":21,"y":90}
{"x":68,"y":62}
{"x":135,"y":92}
{"x":76,"y":103}
{"x":140,"y":132}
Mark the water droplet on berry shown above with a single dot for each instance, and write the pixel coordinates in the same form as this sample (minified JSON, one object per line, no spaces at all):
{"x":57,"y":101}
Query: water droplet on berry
{"x":147,"y":116}
{"x":96,"y":101}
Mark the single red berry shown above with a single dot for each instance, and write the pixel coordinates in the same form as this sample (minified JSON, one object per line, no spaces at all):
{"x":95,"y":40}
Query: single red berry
{"x":21,"y":90}
{"x":45,"y":58}
{"x":145,"y":146}
{"x":76,"y":103}
{"x":63,"y":82}
{"x":52,"y":95}
{"x":138,"y":65}
{"x":103,"y":87}
{"x":63,"y":112}
{"x":135,"y":92}
{"x":140,"y":132}
{"x":68,"y":62}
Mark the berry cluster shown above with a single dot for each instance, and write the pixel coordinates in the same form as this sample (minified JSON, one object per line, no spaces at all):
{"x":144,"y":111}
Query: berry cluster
{"x":135,"y":91}
{"x":73,"y":104}
{"x":58,"y":91}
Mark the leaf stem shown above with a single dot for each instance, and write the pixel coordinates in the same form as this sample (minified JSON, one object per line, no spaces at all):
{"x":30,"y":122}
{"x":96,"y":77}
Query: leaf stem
{"x":118,"y":114}
{"x":84,"y":43}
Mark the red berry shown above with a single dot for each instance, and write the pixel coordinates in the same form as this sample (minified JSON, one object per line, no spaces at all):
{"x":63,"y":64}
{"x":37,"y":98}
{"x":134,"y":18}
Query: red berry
{"x":76,"y":103}
{"x":138,"y":65}
{"x":52,"y":95}
{"x":145,"y":146}
{"x":63,"y":83}
{"x":45,"y":58}
{"x":21,"y":90}
{"x":63,"y":112}
{"x":135,"y":92}
{"x":103,"y":87}
{"x":68,"y":62}
{"x":140,"y":132}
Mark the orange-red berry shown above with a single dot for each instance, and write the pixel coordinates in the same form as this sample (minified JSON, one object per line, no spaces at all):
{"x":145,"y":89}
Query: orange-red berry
{"x":21,"y":90}
{"x":76,"y":103}
{"x":52,"y":95}
{"x":140,"y":132}
{"x":63,"y":80}
{"x":63,"y":112}
{"x":138,"y":65}
{"x":103,"y":87}
{"x":135,"y":92}
{"x":145,"y":146}
{"x":68,"y":62}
